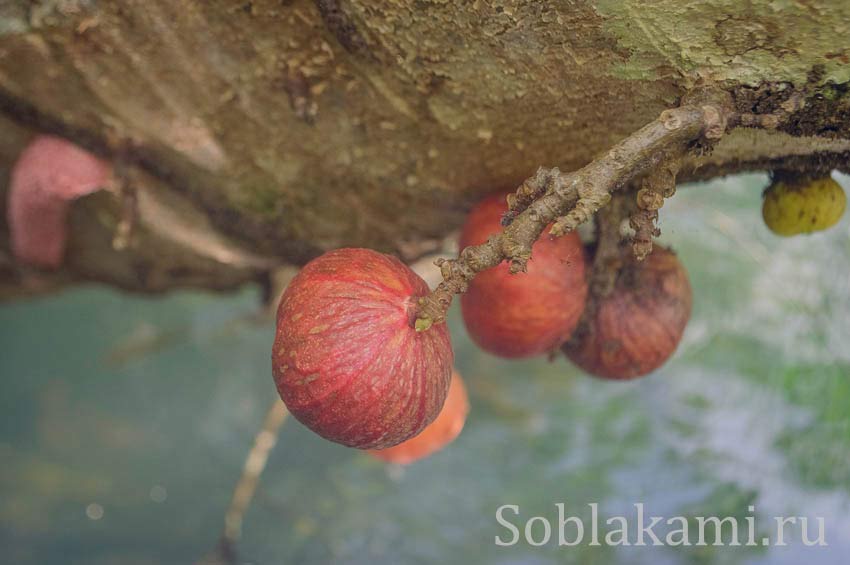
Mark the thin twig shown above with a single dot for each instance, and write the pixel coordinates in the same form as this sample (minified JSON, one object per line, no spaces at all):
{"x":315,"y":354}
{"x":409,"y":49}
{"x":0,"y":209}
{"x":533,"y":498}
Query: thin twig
{"x":246,"y":486}
{"x":566,"y":200}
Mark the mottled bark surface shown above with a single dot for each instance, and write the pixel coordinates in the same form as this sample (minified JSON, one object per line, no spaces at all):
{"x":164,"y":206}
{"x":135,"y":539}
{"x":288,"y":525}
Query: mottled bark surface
{"x":285,"y":128}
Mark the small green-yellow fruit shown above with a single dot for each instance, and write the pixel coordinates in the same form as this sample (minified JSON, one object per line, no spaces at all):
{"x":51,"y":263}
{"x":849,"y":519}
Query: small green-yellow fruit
{"x":804,"y":206}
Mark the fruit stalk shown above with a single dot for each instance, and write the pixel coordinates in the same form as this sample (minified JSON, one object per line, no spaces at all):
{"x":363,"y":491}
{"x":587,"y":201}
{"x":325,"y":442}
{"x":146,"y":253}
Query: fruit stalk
{"x":607,"y":258}
{"x":569,"y":199}
{"x":656,"y":186}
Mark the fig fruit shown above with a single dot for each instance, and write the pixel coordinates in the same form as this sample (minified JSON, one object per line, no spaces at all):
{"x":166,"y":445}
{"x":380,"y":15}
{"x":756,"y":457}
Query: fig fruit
{"x":527,"y":313}
{"x":347,"y":360}
{"x":50,"y":173}
{"x":635,"y":328}
{"x":439,"y":433}
{"x":794,"y":205}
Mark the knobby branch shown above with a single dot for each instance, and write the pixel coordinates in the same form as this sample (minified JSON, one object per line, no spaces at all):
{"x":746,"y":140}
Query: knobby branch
{"x":566,"y":200}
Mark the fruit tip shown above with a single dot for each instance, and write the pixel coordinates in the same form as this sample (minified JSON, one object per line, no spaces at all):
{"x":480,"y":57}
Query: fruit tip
{"x":422,"y":324}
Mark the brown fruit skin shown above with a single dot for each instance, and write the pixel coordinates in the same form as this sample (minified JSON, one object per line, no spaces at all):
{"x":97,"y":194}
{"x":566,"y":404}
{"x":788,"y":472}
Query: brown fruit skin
{"x":439,"y":433}
{"x":347,"y":361}
{"x":638,"y":326}
{"x":528,"y":313}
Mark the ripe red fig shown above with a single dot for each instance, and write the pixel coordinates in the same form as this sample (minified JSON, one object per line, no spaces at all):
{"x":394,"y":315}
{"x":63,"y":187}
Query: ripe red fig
{"x":636,"y":327}
{"x":439,"y":433}
{"x":347,"y":360}
{"x":528,"y":313}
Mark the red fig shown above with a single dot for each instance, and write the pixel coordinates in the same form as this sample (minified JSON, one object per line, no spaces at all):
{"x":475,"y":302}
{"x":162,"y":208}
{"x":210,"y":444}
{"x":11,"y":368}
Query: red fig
{"x":48,"y":175}
{"x":528,"y":313}
{"x":347,"y":360}
{"x":636,"y":327}
{"x":438,"y":434}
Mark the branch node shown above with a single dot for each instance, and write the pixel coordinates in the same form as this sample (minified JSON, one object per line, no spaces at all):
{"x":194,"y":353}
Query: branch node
{"x":530,"y":190}
{"x":649,"y":200}
{"x":587,"y":205}
{"x":658,"y":185}
{"x":670,"y":120}
{"x":715,"y":123}
{"x":518,"y":253}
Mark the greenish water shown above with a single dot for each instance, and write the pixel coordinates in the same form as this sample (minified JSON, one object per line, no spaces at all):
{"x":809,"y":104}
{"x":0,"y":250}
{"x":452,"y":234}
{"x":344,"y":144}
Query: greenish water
{"x":126,"y":421}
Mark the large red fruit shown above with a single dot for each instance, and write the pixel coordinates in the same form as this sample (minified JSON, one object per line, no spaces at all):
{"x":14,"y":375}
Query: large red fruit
{"x":438,"y":434}
{"x":637,"y":327}
{"x":347,"y":361}
{"x":527,"y":313}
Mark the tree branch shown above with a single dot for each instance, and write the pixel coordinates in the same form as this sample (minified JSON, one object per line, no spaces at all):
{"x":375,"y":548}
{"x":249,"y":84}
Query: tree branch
{"x":567,"y":200}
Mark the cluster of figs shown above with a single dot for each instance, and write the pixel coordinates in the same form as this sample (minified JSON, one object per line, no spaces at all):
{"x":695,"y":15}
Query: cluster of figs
{"x":349,"y":363}
{"x":348,"y":360}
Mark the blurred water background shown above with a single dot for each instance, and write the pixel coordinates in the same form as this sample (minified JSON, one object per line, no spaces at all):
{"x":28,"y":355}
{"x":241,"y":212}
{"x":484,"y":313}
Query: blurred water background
{"x":125,"y":422}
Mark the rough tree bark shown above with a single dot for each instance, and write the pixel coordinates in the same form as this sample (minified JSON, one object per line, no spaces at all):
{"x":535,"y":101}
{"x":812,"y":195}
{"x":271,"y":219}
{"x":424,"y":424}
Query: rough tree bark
{"x":259,"y":133}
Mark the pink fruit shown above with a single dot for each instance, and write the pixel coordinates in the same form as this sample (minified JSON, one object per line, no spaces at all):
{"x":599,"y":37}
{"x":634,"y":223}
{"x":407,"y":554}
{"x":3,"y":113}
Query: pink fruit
{"x":347,"y":360}
{"x":49,"y":174}
{"x":528,"y":313}
{"x":638,"y":326}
